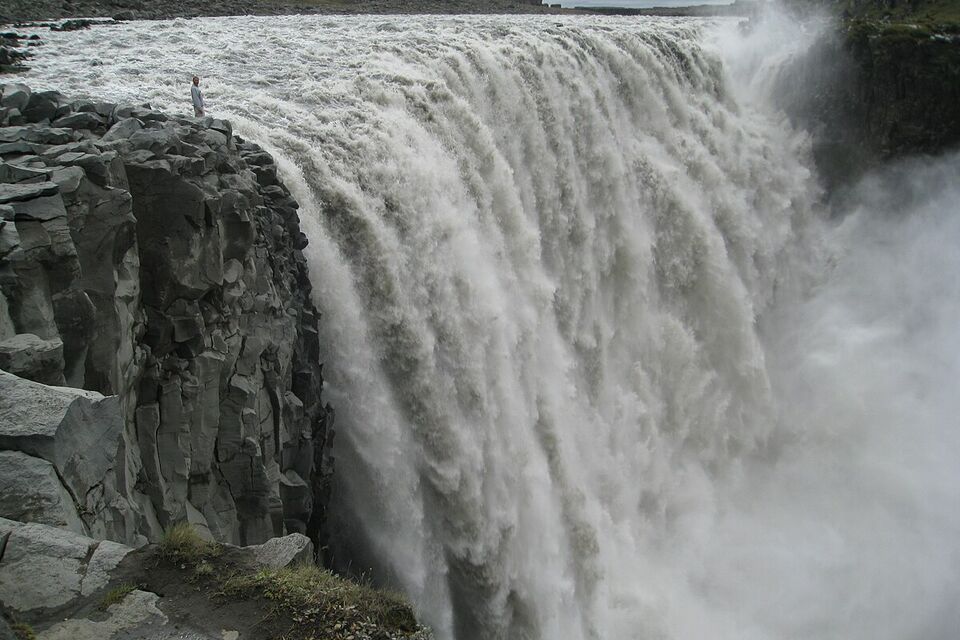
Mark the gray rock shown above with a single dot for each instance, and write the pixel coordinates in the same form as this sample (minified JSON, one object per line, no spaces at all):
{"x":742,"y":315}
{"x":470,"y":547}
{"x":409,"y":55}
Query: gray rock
{"x":42,"y":106}
{"x":13,"y":117}
{"x":42,"y":566}
{"x":78,"y":431}
{"x":31,"y":492}
{"x":49,"y":135}
{"x":46,"y":567}
{"x":33,"y":358}
{"x":277,"y":553}
{"x":122,"y":130}
{"x":127,"y":618}
{"x":12,"y":134}
{"x":81,"y":120}
{"x":5,"y":632}
{"x":104,"y":560}
{"x":26,"y":191}
{"x":15,"y":96}
{"x":174,"y":281}
{"x":17,"y":148}
{"x":16,"y":173}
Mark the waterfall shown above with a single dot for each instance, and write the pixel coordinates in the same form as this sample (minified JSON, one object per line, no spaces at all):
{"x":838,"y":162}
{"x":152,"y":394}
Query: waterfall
{"x":603,"y":369}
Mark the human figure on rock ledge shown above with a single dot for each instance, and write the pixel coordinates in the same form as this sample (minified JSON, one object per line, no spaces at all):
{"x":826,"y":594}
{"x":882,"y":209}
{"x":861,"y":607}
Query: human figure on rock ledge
{"x":197,"y":97}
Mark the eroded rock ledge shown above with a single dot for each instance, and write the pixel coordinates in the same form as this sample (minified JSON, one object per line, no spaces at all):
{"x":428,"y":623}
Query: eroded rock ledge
{"x":156,"y":328}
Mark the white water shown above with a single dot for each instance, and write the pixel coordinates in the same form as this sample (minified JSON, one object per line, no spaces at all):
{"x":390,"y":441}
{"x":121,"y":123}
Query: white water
{"x":602,"y":369}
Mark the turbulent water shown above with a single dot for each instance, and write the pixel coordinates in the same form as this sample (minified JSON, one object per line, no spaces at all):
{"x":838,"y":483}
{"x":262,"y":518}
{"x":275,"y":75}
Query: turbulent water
{"x":603,"y":366}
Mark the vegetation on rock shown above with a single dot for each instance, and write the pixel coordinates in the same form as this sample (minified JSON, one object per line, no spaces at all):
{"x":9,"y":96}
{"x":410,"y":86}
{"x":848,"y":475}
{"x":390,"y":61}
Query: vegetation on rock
{"x":321,"y":604}
{"x":181,"y":543}
{"x":302,"y":602}
{"x":115,"y":595}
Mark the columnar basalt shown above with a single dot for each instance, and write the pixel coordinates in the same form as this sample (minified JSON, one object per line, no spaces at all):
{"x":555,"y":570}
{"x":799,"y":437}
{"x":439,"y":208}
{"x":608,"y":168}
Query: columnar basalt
{"x":155,"y":263}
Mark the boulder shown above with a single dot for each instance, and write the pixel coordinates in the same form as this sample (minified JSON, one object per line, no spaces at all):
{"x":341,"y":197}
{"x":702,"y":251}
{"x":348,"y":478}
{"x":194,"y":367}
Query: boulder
{"x":33,"y":358}
{"x":122,"y":130}
{"x":79,"y":432}
{"x":15,"y":96}
{"x":31,"y":492}
{"x":127,"y":619}
{"x":81,"y":120}
{"x":42,"y":106}
{"x":45,"y":567}
{"x":42,"y":566}
{"x":282,"y":552}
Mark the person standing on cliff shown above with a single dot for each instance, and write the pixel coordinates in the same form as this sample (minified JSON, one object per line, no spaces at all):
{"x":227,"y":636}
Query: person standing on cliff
{"x":197,"y":96}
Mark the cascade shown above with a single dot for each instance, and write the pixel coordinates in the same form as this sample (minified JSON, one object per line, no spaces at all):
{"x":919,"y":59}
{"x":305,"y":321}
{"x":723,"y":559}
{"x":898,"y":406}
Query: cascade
{"x":602,"y":367}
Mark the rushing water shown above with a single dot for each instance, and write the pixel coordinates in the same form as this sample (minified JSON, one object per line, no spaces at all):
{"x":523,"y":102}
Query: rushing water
{"x":603,"y":369}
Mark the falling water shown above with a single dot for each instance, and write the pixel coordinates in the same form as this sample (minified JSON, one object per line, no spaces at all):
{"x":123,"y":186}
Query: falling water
{"x":603,"y":368}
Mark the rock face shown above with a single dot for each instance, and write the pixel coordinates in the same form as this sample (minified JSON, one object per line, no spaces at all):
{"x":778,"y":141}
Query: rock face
{"x":871,"y":92}
{"x":155,"y":263}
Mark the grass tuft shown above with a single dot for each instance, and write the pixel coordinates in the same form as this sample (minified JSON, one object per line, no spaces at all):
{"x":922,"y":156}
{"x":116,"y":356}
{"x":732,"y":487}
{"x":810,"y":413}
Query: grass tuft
{"x":309,"y":593}
{"x":115,"y":595}
{"x":181,"y":543}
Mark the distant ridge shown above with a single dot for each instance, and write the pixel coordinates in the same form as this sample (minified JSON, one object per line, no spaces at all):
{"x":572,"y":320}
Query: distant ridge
{"x":737,"y":8}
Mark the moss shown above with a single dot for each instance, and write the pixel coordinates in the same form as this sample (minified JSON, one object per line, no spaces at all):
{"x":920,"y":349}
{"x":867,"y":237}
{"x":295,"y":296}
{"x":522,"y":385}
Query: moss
{"x":23,"y":631}
{"x":181,"y":543}
{"x":116,"y":595}
{"x":321,"y":604}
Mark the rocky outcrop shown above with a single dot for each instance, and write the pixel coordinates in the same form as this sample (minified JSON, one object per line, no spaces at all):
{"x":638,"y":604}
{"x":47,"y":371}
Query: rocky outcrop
{"x":155,"y":264}
{"x":871,"y":91}
{"x":45,"y":568}
{"x":62,"y":585}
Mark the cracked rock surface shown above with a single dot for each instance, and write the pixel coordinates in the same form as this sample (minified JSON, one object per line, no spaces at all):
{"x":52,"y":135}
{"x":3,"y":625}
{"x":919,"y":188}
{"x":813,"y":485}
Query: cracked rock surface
{"x":156,"y":328}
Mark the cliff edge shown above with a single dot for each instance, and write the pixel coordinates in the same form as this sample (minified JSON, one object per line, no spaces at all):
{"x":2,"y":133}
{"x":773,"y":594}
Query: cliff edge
{"x":157,"y":336}
{"x":883,"y":83}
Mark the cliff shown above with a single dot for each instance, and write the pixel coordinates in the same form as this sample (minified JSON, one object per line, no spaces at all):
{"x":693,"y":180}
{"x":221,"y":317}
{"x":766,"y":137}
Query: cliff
{"x":882,"y":84}
{"x":157,"y":333}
